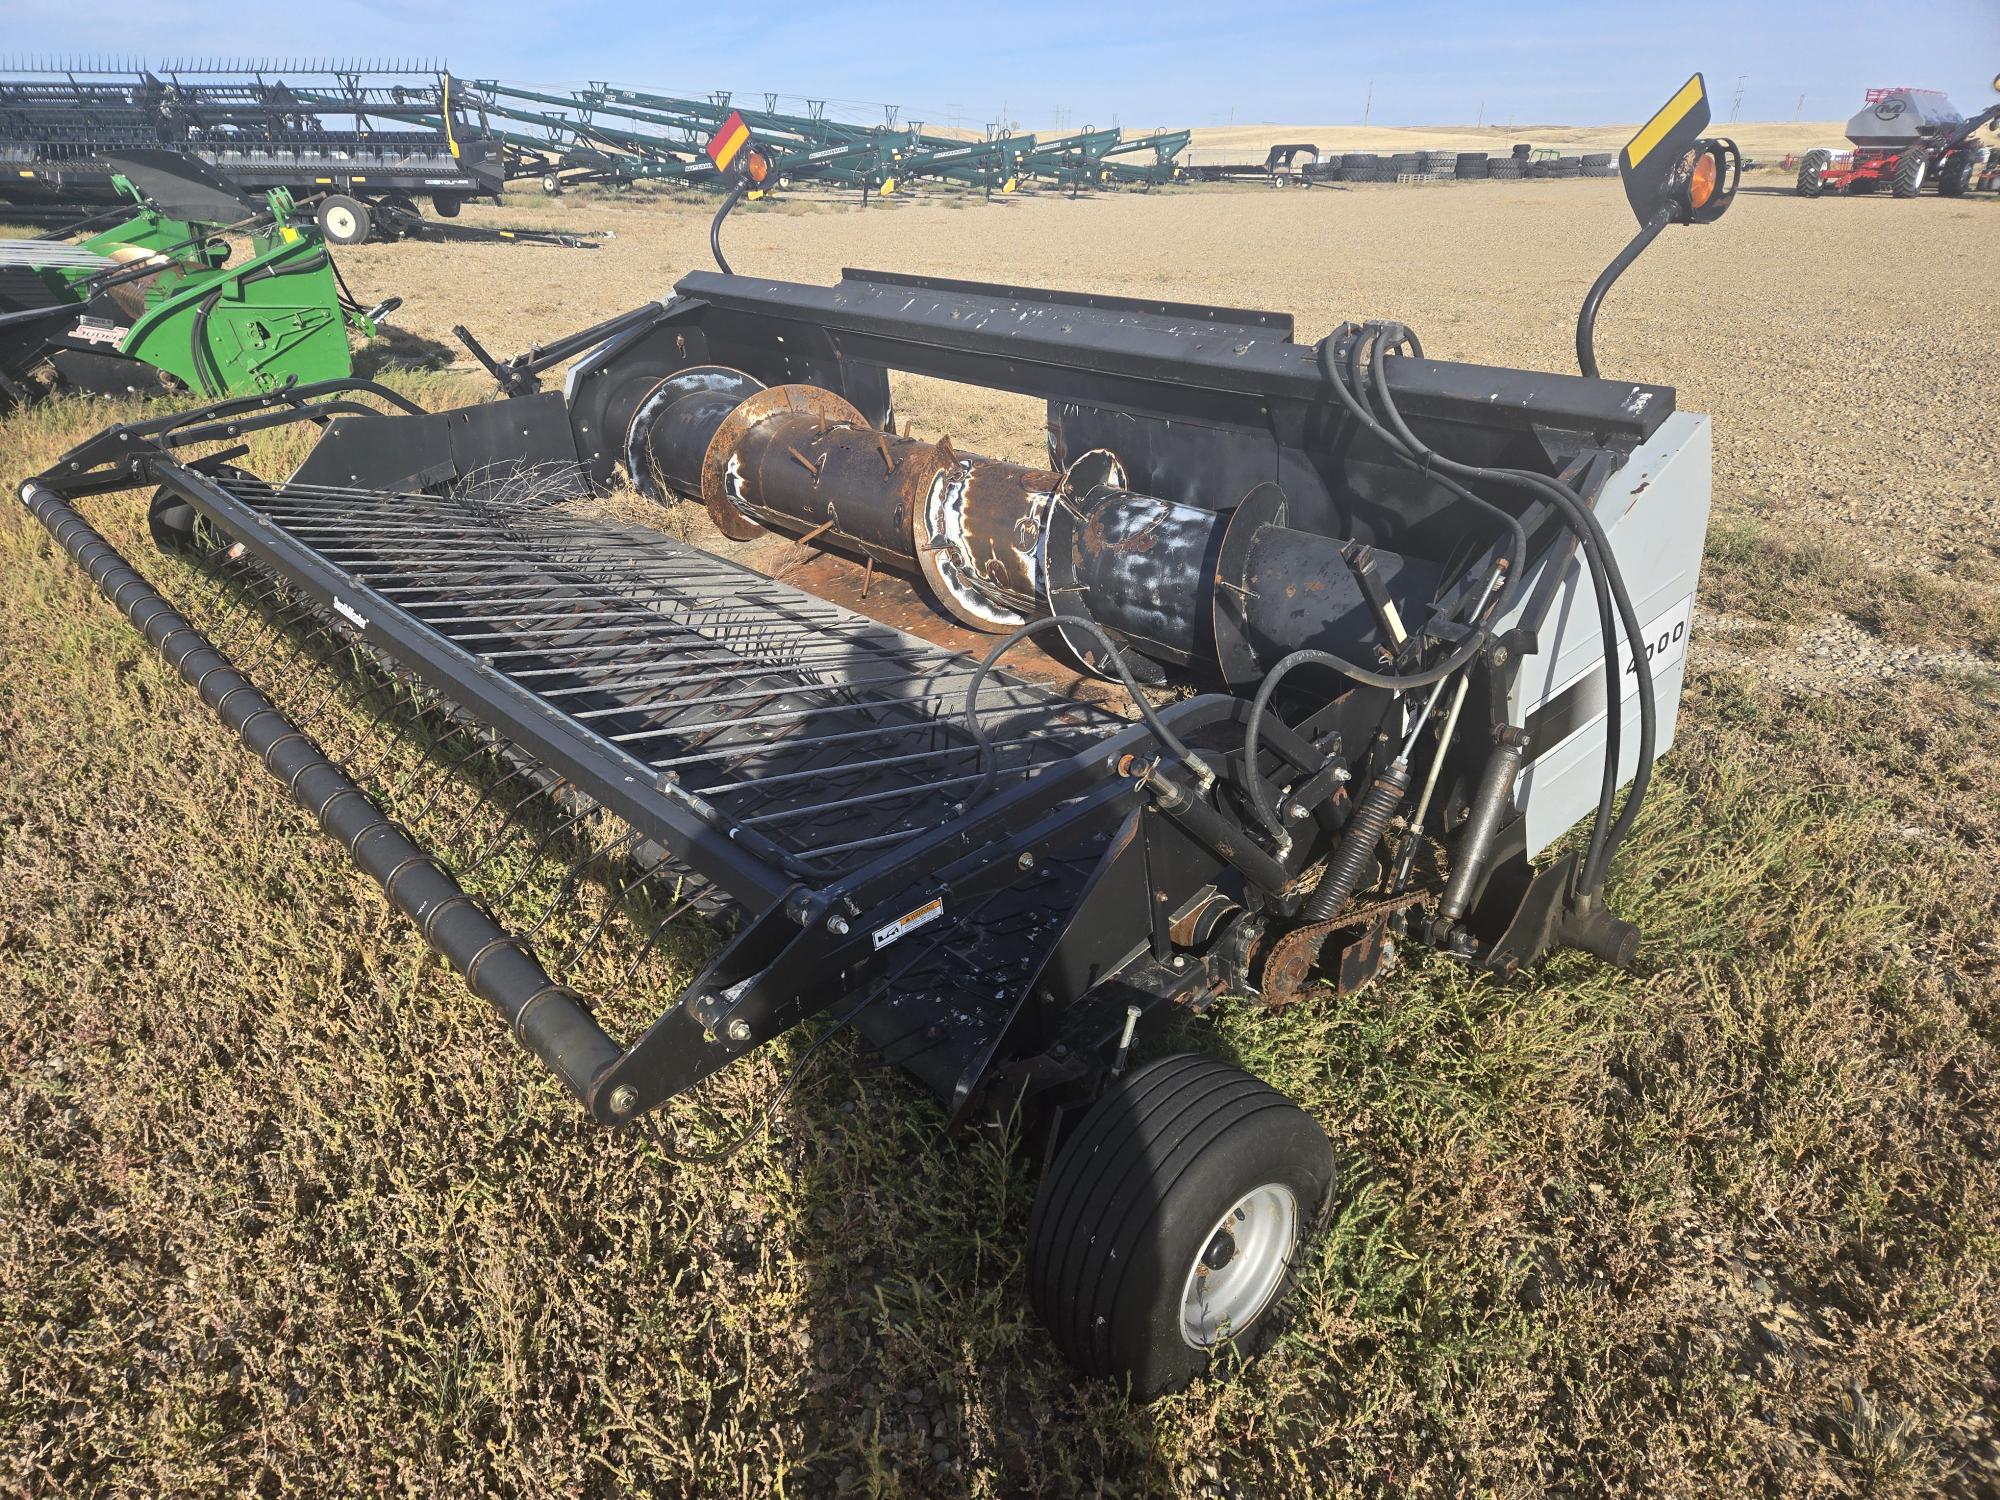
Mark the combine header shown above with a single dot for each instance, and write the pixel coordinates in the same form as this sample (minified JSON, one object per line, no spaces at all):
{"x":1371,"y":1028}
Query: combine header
{"x":160,"y":301}
{"x":261,"y":125}
{"x":1433,"y":614}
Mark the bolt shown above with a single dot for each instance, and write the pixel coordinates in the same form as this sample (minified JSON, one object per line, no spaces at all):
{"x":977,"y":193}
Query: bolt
{"x":837,"y":925}
{"x":1026,"y":861}
{"x":1300,"y":810}
{"x":624,"y":1099}
{"x":1342,"y":774}
{"x":1180,"y":960}
{"x":739,"y":1030}
{"x":1499,"y":656}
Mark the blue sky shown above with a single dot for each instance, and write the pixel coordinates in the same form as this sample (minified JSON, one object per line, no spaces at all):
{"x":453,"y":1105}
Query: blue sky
{"x":1166,"y":63}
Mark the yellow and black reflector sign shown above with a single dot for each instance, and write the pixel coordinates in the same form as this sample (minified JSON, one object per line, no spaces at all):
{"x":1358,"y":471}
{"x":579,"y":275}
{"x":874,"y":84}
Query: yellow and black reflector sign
{"x":1650,"y":159}
{"x":728,"y":142}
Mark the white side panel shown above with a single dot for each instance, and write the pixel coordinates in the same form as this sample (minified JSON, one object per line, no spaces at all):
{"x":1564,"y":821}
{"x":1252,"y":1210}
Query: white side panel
{"x":1655,"y":511}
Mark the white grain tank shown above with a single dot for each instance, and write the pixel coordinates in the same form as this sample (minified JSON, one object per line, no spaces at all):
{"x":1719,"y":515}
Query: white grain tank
{"x":1894,"y":118}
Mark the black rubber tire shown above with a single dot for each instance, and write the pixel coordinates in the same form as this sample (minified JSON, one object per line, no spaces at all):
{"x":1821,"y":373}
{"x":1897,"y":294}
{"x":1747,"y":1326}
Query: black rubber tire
{"x":172,"y":521}
{"x":177,"y":526}
{"x":447,"y":204}
{"x":1912,"y":167}
{"x":343,"y":220}
{"x":1600,"y":164}
{"x":1134,"y":1196}
{"x":1812,"y":172}
{"x":1470,"y":165}
{"x":1523,"y":151}
{"x":551,"y":184}
{"x":1565,"y":166}
{"x":1352,"y":159}
{"x":1955,"y":179}
{"x":1505,"y":168}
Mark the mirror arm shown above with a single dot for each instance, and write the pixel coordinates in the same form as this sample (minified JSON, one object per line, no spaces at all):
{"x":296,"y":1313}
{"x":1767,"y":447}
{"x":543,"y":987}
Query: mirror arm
{"x":1586,"y":319}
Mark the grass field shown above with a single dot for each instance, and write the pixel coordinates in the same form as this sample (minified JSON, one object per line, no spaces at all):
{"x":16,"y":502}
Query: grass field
{"x":282,"y":1211}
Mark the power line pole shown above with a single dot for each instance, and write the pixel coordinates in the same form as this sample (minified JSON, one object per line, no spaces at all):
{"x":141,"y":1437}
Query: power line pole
{"x":1799,"y":110}
{"x":1736,"y":104}
{"x":1482,"y":113}
{"x":1368,"y":107}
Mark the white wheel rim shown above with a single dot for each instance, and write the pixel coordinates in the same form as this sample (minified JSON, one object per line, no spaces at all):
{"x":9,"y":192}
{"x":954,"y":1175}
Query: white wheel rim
{"x":1253,"y":1242}
{"x":340,"y":223}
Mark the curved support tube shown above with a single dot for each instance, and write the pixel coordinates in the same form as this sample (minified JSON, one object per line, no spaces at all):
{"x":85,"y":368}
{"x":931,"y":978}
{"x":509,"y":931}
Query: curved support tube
{"x":1586,"y":319}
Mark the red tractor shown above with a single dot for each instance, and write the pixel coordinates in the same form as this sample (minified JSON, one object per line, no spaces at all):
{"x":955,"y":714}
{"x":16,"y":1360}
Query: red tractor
{"x":1903,"y":139}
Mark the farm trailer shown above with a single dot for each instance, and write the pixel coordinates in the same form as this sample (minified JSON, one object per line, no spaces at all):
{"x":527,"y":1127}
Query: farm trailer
{"x":1435,"y":614}
{"x":1903,"y":139}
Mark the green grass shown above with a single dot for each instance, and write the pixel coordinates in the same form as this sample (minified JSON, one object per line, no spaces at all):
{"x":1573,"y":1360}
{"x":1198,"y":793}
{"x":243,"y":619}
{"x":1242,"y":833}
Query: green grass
{"x":282,"y":1210}
{"x":1760,"y":572}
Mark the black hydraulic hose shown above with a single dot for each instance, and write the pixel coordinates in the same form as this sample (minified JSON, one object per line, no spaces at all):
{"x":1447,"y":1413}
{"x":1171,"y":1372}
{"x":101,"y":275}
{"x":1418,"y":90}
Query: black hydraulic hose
{"x":197,"y":350}
{"x":1253,"y":726}
{"x":1608,"y":579}
{"x":1517,"y":534}
{"x":989,"y":771}
{"x":1607,"y":624}
{"x":1392,"y":681}
{"x":733,"y":197}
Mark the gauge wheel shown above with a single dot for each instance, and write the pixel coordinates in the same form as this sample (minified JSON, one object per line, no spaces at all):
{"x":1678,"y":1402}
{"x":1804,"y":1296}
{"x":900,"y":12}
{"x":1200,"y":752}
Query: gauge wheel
{"x":1170,"y":1229}
{"x":343,"y":220}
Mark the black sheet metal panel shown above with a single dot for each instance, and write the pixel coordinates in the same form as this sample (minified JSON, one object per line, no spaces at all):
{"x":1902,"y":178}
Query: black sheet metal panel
{"x":371,"y":452}
{"x":1200,"y":404}
{"x":763,"y":737}
{"x":1061,"y":346}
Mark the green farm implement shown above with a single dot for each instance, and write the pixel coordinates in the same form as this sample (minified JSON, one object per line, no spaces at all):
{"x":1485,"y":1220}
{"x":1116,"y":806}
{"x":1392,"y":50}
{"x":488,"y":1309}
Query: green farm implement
{"x":195,"y":287}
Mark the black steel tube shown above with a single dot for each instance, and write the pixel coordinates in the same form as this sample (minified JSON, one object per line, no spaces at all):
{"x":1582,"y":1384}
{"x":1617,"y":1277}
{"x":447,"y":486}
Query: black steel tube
{"x":546,"y":1018}
{"x":1147,"y":571}
{"x":678,"y":435}
{"x":1586,"y":317}
{"x":1299,"y":592}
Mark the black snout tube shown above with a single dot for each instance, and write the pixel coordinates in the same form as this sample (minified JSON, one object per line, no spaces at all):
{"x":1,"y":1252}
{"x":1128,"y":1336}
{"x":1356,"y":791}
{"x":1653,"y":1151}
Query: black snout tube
{"x":546,"y":1018}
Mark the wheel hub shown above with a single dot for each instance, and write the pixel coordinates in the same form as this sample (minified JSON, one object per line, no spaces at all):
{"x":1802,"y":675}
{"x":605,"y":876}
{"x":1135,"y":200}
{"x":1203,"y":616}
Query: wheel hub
{"x":1240,"y":1266}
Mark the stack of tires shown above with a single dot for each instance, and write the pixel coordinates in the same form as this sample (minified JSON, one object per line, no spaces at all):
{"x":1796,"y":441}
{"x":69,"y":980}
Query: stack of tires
{"x":1523,"y":153}
{"x":1559,"y":166}
{"x":1404,"y":164}
{"x":1434,"y":163}
{"x":1600,"y":164}
{"x":1359,"y":166}
{"x":1471,"y":165}
{"x":1505,"y":168}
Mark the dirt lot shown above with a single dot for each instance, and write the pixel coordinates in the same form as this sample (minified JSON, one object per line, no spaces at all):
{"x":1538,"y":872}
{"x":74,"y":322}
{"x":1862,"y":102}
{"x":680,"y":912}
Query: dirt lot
{"x":281,"y":1211}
